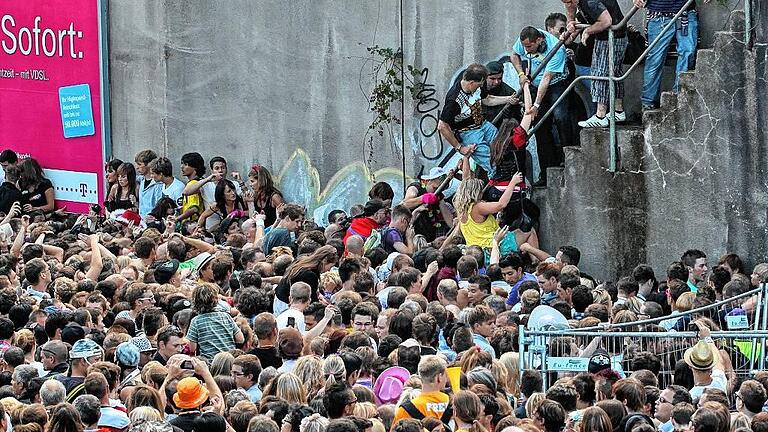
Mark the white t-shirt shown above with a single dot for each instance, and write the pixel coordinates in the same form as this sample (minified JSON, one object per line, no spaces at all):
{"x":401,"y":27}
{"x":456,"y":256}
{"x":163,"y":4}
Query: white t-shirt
{"x":174,"y":190}
{"x":208,"y":192}
{"x":282,"y":319}
{"x":719,"y":381}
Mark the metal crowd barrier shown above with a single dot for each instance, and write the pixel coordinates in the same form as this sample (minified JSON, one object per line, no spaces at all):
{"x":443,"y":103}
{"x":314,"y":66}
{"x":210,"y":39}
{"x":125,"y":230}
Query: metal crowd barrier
{"x":744,"y":339}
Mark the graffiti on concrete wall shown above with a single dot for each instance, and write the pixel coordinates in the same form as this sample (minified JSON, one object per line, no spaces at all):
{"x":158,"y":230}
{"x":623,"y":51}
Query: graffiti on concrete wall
{"x":428,"y":146}
{"x":299,"y":181}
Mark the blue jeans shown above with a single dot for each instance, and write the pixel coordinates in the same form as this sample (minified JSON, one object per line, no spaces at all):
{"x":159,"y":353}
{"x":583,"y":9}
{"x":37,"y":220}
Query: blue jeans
{"x":482,"y":137}
{"x":654,"y":63}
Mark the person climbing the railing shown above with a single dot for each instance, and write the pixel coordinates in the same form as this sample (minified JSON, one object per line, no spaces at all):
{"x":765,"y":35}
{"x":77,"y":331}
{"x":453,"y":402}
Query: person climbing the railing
{"x":462,"y":116}
{"x":601,"y":15}
{"x":685,"y":32}
{"x":529,"y":51}
{"x":508,"y":156}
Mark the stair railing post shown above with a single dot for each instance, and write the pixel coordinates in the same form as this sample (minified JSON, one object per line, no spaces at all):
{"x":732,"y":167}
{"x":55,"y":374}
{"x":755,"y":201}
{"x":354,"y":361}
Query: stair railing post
{"x":764,"y":317}
{"x":748,"y":23}
{"x":612,"y":99}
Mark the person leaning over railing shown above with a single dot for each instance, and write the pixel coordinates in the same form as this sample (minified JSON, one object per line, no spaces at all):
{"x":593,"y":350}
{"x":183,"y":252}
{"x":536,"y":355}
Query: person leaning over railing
{"x":601,"y":15}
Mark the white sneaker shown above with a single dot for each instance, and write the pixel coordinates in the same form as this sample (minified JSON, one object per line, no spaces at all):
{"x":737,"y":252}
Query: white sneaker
{"x":620,"y":116}
{"x":594,"y":122}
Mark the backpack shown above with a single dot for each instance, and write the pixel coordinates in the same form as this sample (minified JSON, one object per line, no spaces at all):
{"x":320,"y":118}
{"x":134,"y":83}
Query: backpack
{"x":415,"y":414}
{"x":377,"y":238}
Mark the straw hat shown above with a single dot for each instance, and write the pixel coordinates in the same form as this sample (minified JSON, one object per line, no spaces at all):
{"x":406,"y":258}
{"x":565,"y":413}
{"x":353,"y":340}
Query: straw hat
{"x":700,"y":356}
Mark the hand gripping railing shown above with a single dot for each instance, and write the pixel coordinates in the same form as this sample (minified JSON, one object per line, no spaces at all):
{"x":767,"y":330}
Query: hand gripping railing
{"x":535,"y":73}
{"x":612,"y":80}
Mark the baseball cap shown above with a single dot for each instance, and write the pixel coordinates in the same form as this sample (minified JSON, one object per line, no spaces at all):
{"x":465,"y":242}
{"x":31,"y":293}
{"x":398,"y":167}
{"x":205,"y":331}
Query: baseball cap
{"x":127,"y":354}
{"x":434,"y":172}
{"x":143,"y":344}
{"x":85,"y":348}
{"x":165,"y":271}
{"x":72,"y":333}
{"x":600,"y":360}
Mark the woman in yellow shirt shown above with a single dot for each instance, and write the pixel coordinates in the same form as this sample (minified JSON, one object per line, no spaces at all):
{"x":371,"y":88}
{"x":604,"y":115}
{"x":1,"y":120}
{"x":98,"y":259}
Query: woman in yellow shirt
{"x":477,"y":219}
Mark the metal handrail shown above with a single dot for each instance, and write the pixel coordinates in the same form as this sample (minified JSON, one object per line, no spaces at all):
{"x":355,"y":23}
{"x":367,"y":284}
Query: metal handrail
{"x":536,"y":72}
{"x":715,"y":305}
{"x":611,"y":78}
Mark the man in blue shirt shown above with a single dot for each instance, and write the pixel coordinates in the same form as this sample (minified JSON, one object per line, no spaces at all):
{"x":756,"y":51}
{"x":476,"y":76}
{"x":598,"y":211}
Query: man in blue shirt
{"x":512,"y":270}
{"x":482,"y":321}
{"x":149,"y":190}
{"x":529,"y":51}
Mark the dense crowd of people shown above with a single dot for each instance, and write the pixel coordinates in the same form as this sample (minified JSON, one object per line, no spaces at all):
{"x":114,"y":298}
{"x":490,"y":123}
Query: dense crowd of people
{"x":212,"y":304}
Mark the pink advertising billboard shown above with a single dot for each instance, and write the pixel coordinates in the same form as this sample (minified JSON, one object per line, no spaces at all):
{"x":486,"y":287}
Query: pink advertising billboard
{"x":54,"y":94}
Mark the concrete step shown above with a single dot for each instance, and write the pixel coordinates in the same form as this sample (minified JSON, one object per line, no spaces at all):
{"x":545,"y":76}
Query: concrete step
{"x":595,"y":143}
{"x":688,"y":79}
{"x":555,"y":177}
{"x":668,"y":100}
{"x":737,"y":22}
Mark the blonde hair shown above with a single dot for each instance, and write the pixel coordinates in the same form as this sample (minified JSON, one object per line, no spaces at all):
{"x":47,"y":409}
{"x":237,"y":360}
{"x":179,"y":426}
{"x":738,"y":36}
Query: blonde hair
{"x":378,"y":426}
{"x":510,"y":361}
{"x":334,"y":369}
{"x":25,"y":340}
{"x":145,"y":413}
{"x":222,"y":364}
{"x":332,"y":279}
{"x":430,"y":367}
{"x":290,"y":389}
{"x":601,"y":296}
{"x":685,"y":302}
{"x":314,"y":423}
{"x":124,"y":261}
{"x":468,"y":194}
{"x":309,"y":370}
{"x":365,"y":410}
{"x":533,"y":402}
{"x":571,"y":269}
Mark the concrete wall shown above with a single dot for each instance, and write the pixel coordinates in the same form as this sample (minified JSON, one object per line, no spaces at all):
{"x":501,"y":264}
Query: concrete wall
{"x":692,"y":177}
{"x":761,"y":16}
{"x":284,"y":84}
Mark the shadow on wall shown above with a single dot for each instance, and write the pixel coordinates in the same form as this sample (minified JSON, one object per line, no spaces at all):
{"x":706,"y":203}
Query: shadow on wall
{"x":299,"y":182}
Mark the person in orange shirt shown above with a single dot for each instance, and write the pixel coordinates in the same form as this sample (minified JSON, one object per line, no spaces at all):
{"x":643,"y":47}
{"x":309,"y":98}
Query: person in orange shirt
{"x":431,"y":402}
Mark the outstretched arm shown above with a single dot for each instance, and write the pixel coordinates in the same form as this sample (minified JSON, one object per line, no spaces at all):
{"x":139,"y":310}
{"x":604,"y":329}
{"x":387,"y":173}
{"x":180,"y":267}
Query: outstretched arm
{"x":528,"y":118}
{"x":96,"y":262}
{"x":488,"y":208}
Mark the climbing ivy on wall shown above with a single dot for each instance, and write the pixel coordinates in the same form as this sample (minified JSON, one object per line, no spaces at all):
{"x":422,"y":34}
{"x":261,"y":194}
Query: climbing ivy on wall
{"x":390,"y":79}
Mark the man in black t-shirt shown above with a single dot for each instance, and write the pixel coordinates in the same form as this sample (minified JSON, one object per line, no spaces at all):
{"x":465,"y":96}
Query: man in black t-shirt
{"x":462,"y":115}
{"x":265,"y":327}
{"x":496,"y":87}
{"x":601,"y":15}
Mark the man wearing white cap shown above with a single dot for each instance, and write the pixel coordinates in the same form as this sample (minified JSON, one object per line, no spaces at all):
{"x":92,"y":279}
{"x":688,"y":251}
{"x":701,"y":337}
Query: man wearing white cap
{"x":438,"y":217}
